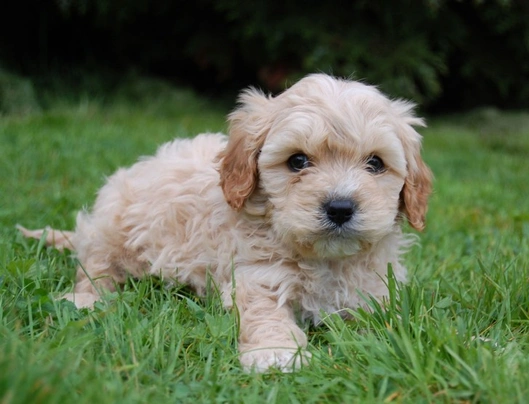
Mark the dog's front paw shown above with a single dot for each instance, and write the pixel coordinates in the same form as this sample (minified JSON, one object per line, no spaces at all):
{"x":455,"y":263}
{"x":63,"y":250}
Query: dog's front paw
{"x":284,"y":359}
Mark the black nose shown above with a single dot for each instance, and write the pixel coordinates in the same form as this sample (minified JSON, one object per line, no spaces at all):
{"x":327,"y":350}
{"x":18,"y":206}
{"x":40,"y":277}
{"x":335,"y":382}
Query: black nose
{"x":339,"y":211}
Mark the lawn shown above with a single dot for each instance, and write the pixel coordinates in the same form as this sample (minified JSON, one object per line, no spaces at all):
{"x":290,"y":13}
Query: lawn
{"x":457,"y":332}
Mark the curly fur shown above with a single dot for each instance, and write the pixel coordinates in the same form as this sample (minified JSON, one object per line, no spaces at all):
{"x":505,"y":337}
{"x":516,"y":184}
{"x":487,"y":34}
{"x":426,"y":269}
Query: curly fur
{"x":231,"y":206}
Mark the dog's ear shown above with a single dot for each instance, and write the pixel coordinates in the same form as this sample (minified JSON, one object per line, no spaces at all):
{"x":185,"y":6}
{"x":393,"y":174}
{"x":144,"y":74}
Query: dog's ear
{"x":239,"y":173}
{"x":415,"y":192}
{"x":418,"y":182}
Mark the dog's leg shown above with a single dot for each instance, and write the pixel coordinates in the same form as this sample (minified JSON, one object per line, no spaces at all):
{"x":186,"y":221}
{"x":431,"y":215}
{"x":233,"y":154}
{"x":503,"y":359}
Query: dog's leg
{"x":94,"y":279}
{"x":87,"y":289}
{"x":269,"y":336}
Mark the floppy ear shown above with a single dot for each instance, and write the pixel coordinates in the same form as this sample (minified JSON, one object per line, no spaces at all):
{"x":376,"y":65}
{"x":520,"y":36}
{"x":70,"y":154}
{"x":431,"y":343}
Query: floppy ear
{"x":415,"y":192}
{"x":239,"y":173}
{"x":418,"y":182}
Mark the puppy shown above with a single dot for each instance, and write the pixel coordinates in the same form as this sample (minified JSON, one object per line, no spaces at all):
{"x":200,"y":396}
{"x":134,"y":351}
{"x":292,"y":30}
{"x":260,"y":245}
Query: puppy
{"x":299,"y":209}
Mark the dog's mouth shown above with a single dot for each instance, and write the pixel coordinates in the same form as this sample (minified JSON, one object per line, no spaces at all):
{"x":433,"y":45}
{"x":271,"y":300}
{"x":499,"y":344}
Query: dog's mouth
{"x":333,"y":236}
{"x":332,"y":230}
{"x":337,"y":246}
{"x":332,"y":241}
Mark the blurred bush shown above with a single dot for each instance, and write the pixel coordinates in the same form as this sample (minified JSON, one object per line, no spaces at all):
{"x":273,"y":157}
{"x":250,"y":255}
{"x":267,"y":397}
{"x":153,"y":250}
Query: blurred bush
{"x":17,"y":95}
{"x":441,"y":53}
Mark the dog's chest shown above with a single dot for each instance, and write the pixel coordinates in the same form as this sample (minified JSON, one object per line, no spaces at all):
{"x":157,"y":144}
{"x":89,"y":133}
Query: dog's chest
{"x":336,"y":287}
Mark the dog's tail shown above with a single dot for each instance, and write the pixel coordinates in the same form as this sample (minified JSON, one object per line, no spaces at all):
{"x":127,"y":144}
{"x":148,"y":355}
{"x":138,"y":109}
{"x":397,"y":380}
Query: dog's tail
{"x":59,"y":239}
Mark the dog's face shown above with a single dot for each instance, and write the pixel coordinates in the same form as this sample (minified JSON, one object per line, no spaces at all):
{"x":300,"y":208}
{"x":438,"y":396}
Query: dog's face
{"x":337,"y":162}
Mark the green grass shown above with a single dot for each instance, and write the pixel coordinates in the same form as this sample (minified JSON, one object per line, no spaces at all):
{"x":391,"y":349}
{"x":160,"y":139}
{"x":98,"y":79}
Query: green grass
{"x":458,"y":332}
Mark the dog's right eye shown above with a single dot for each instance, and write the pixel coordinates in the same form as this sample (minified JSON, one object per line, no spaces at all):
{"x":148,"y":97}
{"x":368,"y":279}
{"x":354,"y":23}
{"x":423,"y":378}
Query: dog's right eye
{"x":298,"y":162}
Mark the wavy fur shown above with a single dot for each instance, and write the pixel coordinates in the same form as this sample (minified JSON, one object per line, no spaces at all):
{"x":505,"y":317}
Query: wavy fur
{"x":232,"y":206}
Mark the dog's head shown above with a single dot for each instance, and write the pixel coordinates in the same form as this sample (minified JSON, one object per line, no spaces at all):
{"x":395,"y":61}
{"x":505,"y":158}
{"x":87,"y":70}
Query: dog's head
{"x":337,"y":162}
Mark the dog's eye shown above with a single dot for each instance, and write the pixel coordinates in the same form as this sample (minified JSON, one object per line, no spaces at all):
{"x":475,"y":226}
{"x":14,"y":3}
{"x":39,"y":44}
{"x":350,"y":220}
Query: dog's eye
{"x":375,"y":165}
{"x":298,"y":162}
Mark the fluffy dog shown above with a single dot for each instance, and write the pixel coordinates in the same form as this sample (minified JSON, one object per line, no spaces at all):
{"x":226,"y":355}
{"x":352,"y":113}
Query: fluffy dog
{"x":298,"y":210}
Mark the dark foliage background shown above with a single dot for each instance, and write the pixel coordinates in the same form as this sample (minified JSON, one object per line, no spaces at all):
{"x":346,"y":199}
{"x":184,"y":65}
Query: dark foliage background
{"x":446,"y":55}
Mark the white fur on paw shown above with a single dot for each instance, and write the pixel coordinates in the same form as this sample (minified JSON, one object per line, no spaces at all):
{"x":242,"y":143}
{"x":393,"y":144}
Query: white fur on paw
{"x":82,"y":300}
{"x":284,"y":359}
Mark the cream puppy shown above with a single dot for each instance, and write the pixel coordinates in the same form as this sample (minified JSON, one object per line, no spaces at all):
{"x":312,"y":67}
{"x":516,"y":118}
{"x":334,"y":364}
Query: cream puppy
{"x":299,"y":209}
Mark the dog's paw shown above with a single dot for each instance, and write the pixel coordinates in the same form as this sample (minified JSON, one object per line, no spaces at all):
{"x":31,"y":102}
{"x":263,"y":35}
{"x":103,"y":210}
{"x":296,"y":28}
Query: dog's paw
{"x":263,"y":359}
{"x":82,"y":300}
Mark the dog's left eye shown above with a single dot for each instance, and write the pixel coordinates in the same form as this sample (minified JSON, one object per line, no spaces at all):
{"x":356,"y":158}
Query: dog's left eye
{"x":298,"y":162}
{"x":375,"y":165}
